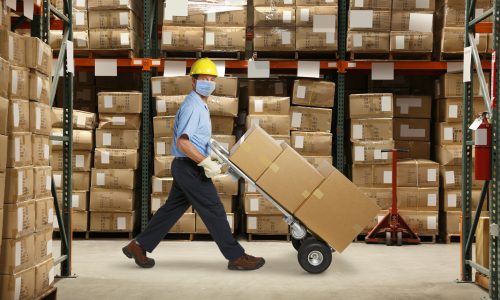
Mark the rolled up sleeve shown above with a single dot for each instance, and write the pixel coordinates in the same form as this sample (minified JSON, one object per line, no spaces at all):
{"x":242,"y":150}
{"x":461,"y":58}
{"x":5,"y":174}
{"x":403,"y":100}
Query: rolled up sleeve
{"x":188,"y":121}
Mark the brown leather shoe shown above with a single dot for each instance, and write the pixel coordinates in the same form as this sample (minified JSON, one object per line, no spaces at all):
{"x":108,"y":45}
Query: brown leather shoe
{"x":133,"y":250}
{"x":246,"y":263}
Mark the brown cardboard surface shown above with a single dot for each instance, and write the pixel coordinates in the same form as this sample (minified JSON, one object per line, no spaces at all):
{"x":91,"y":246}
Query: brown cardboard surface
{"x":312,"y":143}
{"x":2,"y":192}
{"x":182,"y":38}
{"x":268,"y":87}
{"x":224,"y":38}
{"x":112,"y":39}
{"x":412,"y":129}
{"x":483,"y":242}
{"x":400,"y":19}
{"x":222,"y":125}
{"x":272,"y":124}
{"x":159,"y":200}
{"x":226,"y":184}
{"x":449,"y":154}
{"x":161,"y":185}
{"x":4,"y":17}
{"x":5,"y":73}
{"x":120,"y":102}
{"x":186,"y":224}
{"x":19,"y":116}
{"x":311,"y":119}
{"x":78,"y":200}
{"x":313,"y":93}
{"x":448,"y":133}
{"x":421,"y":199}
{"x":227,"y":141}
{"x":80,"y":19}
{"x":371,"y":4}
{"x":371,"y":129}
{"x":113,"y":178}
{"x":194,"y":18}
{"x":42,"y":182}
{"x":12,"y":41}
{"x":451,"y":177}
{"x":451,"y":85}
{"x":39,"y":87}
{"x":19,"y":83}
{"x":381,"y":196}
{"x":413,"y":5}
{"x":112,"y":221}
{"x":290,"y":179}
{"x":237,"y":18}
{"x":163,"y":146}
{"x":82,"y":139}
{"x":274,"y":39}
{"x":308,"y":40}
{"x":19,"y":219}
{"x":202,"y":228}
{"x":418,"y":173}
{"x":376,"y":42}
{"x":418,"y":149}
{"x":80,"y":38}
{"x":116,"y":138}
{"x":316,"y":160}
{"x":223,"y":106}
{"x":412,"y":106}
{"x":227,"y":202}
{"x":102,"y":19}
{"x":17,"y":254}
{"x":452,"y":41}
{"x":78,"y":220}
{"x":282,"y":138}
{"x":452,"y":199}
{"x":19,"y":150}
{"x":44,"y":276}
{"x":81,"y":160}
{"x":168,"y":105}
{"x":114,"y":4}
{"x":275,"y":2}
{"x":108,"y":200}
{"x":43,"y":245}
{"x":40,"y":118}
{"x":267,"y":16}
{"x":120,"y":121}
{"x":337,"y":210}
{"x":451,"y":109}
{"x":24,"y":282}
{"x":80,"y":180}
{"x":422,"y":222}
{"x":116,"y":158}
{"x":371,"y":105}
{"x":226,"y":86}
{"x":453,"y":222}
{"x":163,"y":126}
{"x":163,"y":166}
{"x":44,"y":213}
{"x":171,"y":86}
{"x":254,"y":152}
{"x":38,"y":55}
{"x":4,"y":113}
{"x":18,"y":184}
{"x":41,"y":150}
{"x":370,"y":152}
{"x":413,"y":42}
{"x":266,"y":224}
{"x":257,"y":204}
{"x":371,"y":175}
{"x":268,"y":105}
{"x":380,"y":21}
{"x":305,"y":14}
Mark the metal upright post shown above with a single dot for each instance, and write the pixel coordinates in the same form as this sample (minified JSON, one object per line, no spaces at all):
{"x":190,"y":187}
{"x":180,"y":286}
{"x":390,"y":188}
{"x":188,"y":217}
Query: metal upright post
{"x":342,"y":45}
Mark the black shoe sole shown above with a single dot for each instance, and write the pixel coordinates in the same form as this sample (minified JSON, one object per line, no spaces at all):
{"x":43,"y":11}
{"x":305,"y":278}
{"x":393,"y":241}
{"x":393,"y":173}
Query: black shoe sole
{"x":130,"y":255}
{"x":235,"y":268}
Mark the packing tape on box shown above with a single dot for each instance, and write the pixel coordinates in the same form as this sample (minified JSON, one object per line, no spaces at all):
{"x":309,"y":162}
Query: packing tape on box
{"x":252,"y":223}
{"x":17,"y":149}
{"x":18,"y":250}
{"x":306,"y":194}
{"x":450,"y":177}
{"x":274,"y":167}
{"x":431,"y":200}
{"x":452,"y":200}
{"x":431,"y":222}
{"x":121,"y":223}
{"x":20,"y":183}
{"x":20,"y":219}
{"x":405,"y":104}
{"x":50,"y":244}
{"x":318,"y":194}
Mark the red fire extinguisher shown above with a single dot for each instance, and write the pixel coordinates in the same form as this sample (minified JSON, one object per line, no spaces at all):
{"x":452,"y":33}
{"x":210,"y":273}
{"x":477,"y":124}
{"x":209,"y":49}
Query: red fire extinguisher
{"x":482,"y":148}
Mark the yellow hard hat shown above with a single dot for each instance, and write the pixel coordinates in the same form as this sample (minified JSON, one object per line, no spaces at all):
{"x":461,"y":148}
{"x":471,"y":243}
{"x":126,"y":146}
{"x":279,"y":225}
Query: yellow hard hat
{"x":203,"y":66}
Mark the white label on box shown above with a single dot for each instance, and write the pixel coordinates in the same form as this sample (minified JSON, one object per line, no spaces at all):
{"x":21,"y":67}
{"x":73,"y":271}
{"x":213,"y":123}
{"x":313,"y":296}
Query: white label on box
{"x":286,"y":1}
{"x":252,"y":223}
{"x":123,"y":18}
{"x":287,"y":16}
{"x":80,"y":42}
{"x":431,"y":175}
{"x":209,"y":38}
{"x":378,"y":154}
{"x":100,"y":179}
{"x":106,"y":139}
{"x":48,"y":182}
{"x":79,"y":18}
{"x":75,"y":201}
{"x":16,"y":112}
{"x":448,"y":133}
{"x":301,"y":92}
{"x":380,"y":218}
{"x":50,"y":245}
{"x":453,"y":111}
{"x":452,"y":200}
{"x":17,"y":149}
{"x":121,"y":223}
{"x":156,"y":87}
{"x":18,"y":284}
{"x":79,"y":161}
{"x":211,"y":17}
{"x":386,"y":103}
{"x":383,"y":71}
{"x":421,"y":22}
{"x":422,"y":3}
{"x":46,"y":151}
{"x":359,"y":3}
{"x":56,"y":223}
{"x":166,"y":38}
{"x":177,"y":7}
{"x":405,"y":104}
{"x":11,"y":47}
{"x":259,"y":105}
{"x":431,"y":200}
{"x":359,"y":153}
{"x":80,"y":3}
{"x":324,"y":23}
{"x":57,"y":180}
{"x":330,"y":38}
{"x":104,"y":157}
{"x":387,"y":176}
{"x":431,"y":222}
{"x":481,"y":138}
{"x":407,"y":132}
{"x":14,"y":82}
{"x":161,"y":148}
{"x":51,"y":275}
{"x":258,"y":69}
{"x":157,"y":186}
{"x":20,"y":183}
{"x":50,"y":216}
{"x":254,"y":204}
{"x":251,"y":188}
{"x":361,"y":19}
{"x":118,"y":121}
{"x":155,"y":204}
{"x":467,"y":64}
{"x":286,"y":37}
{"x":20,"y":218}
{"x":124,"y":39}
{"x":18,"y":254}
{"x":39,"y":86}
{"x":308,"y":69}
{"x":254,"y":122}
{"x":450,"y":177}
{"x":400,"y":42}
{"x":304,"y":14}
{"x":299,"y":142}
{"x":81,"y":120}
{"x":38,"y":118}
{"x":230,"y":220}
{"x":161,"y":106}
{"x":357,"y":40}
{"x":357,"y":132}
{"x":296,"y":119}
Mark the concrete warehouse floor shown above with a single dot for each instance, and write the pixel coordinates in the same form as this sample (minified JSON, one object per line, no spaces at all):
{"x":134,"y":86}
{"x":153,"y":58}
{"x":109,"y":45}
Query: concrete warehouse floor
{"x":196,"y":270}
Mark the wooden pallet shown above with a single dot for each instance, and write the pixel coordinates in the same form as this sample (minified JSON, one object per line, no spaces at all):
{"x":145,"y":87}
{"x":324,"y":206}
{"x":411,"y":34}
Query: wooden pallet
{"x":452,"y":238}
{"x":50,"y":294}
{"x":482,"y":281}
{"x":316,"y":55}
{"x":410,"y":56}
{"x":274,"y":55}
{"x":215,"y":55}
{"x":76,"y":235}
{"x":110,"y":235}
{"x":459,"y":56}
{"x":253,"y":237}
{"x":108,"y":53}
{"x":368,"y":56}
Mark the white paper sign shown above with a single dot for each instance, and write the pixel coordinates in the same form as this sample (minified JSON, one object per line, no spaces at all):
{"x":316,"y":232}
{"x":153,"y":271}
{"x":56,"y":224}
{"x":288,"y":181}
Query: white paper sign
{"x":121,"y":223}
{"x":258,"y":69}
{"x":361,"y":19}
{"x":106,"y":67}
{"x":382,"y":71}
{"x":221,"y":68}
{"x":160,"y":148}
{"x":70,"y":57}
{"x":28,"y":9}
{"x":467,"y":64}
{"x":174,"y":68}
{"x":178,"y":8}
{"x":421,"y":22}
{"x":299,"y":142}
{"x":308,"y":69}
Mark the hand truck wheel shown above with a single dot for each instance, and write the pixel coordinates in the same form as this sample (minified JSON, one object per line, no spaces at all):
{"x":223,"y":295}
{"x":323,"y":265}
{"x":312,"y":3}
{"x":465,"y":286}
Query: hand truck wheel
{"x":296,"y":243}
{"x":314,"y":256}
{"x":399,"y":238}
{"x":388,"y":238}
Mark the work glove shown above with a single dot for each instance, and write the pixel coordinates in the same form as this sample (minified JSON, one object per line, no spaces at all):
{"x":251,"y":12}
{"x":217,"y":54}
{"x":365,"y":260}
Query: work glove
{"x":216,"y":157}
{"x":211,"y":167}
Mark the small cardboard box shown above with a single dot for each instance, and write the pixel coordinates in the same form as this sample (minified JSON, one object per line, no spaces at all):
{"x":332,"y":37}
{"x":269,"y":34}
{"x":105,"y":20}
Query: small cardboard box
{"x":266,"y":224}
{"x":42,"y":182}
{"x":80,"y":180}
{"x":268,"y":105}
{"x":120,"y":102}
{"x":305,"y":14}
{"x":448,"y":155}
{"x":41,"y":150}
{"x":451,"y":177}
{"x":226,"y":86}
{"x":313,"y":93}
{"x":412,"y":106}
{"x":38,"y":55}
{"x":254,"y":152}
{"x":163,"y":166}
{"x":422,"y":222}
{"x":163,"y":146}
{"x":451,"y":85}
{"x":274,"y":39}
{"x":272,"y":124}
{"x":222,"y":125}
{"x":39,"y":87}
{"x":448,"y":133}
{"x":43,"y":245}
{"x":372,"y":175}
{"x":18,"y":286}
{"x":451,"y":109}
{"x":78,"y":200}
{"x":19,"y":116}
{"x":113,"y":178}
{"x":161,"y":185}
{"x":381,"y":196}
{"x":177,"y":38}
{"x":17,"y":254}
{"x":114,"y":39}
{"x":380,"y":20}
{"x":452,"y":199}
{"x":224,"y":39}
{"x":44,"y":213}
{"x":5,"y":73}
{"x":370,"y":152}
{"x":163,"y":126}
{"x":168,"y":105}
{"x":40,"y":118}
{"x":483,"y":242}
{"x":371,"y":129}
{"x":311,"y":119}
{"x":81,"y":119}
{"x":257,"y":204}
{"x":366,"y":42}
{"x":112,"y":221}
{"x":194,"y":18}
{"x":122,"y":121}
{"x":312,"y":143}
{"x":19,"y":83}
{"x":226,"y":184}
{"x":202,"y":228}
{"x":81,"y":161}
{"x":171,"y":86}
{"x":102,"y":19}
{"x":371,"y":105}
{"x":116,"y":138}
{"x":12,"y":47}
{"x":82,"y":139}
{"x":19,"y":153}
{"x":411,"y":42}
{"x":223,"y":106}
{"x":116,"y":158}
{"x":267,"y":16}
{"x":44,"y":276}
{"x":19,"y":219}
{"x":18,"y":184}
{"x":316,"y":160}
{"x":421,"y":199}
{"x":233,"y":18}
{"x":111,"y":200}
{"x":309,"y":40}
{"x":452,"y":40}
{"x":186,"y":224}
{"x":418,"y":173}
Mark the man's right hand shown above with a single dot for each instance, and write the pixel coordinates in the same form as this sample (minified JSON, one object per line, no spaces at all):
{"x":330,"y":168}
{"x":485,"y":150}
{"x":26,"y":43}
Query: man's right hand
{"x":211,"y":167}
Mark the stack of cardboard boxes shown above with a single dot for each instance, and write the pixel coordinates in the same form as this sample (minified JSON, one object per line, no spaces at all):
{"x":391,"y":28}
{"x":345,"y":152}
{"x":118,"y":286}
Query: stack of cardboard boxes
{"x":112,"y":196}
{"x":369,"y":26}
{"x":79,"y":22}
{"x":316,"y":22}
{"x":83,"y":126}
{"x":5,"y":14}
{"x":411,"y":26}
{"x":274,"y":25}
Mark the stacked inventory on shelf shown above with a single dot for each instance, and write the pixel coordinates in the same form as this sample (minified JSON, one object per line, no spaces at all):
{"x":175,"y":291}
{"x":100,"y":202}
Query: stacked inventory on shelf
{"x":26,"y":266}
{"x":369,"y":26}
{"x":83,"y":131}
{"x":411,"y":27}
{"x":274,"y":25}
{"x":383,"y":121}
{"x":316,"y":22}
{"x":112,"y":196}
{"x":448,"y":147}
{"x":79,"y":22}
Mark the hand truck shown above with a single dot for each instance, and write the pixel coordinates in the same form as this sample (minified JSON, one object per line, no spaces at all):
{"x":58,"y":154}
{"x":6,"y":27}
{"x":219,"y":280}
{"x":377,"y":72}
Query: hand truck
{"x":314,"y":255}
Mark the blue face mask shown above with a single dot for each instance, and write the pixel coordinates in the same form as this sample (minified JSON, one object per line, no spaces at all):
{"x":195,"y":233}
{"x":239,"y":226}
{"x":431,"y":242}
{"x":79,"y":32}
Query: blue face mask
{"x":205,"y":87}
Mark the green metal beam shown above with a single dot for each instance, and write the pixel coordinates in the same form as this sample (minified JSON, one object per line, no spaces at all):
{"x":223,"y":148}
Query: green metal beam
{"x":340,"y":126}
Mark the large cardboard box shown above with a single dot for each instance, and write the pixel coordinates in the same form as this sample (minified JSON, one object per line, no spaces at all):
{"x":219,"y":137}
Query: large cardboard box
{"x":227,"y":202}
{"x":81,"y":161}
{"x":451,"y":85}
{"x":80,"y":38}
{"x":416,"y":198}
{"x":411,"y":42}
{"x":112,"y":221}
{"x":40,"y":118}
{"x":412,"y":129}
{"x":163,"y":126}
{"x":44,"y":276}
{"x":483,"y":242}
{"x":309,"y":40}
{"x":370,"y":152}
{"x":268,"y":105}
{"x":418,"y":173}
{"x":366,"y":41}
{"x":42,"y":182}
{"x":82,"y":139}
{"x":41,"y":150}
{"x":272,"y":124}
{"x":414,"y":5}
{"x":371,"y":105}
{"x":19,"y":150}
{"x":266,"y":224}
{"x":448,"y":133}
{"x":311,"y":119}
{"x":232,"y":18}
{"x":13,"y":47}
{"x":268,"y":87}
{"x":79,"y":221}
{"x":290,"y":179}
{"x":102,"y":19}
{"x":116,"y":138}
{"x":43,"y":245}
{"x":223,"y":106}
{"x":202,"y":228}
{"x":18,"y":286}
{"x":38,"y":55}
{"x":111,"y":200}
{"x":422,"y":222}
{"x":17,"y":254}
{"x":315,"y":93}
{"x":274,"y":2}
{"x":371,"y":4}
{"x":312,"y":143}
{"x":161,"y":185}
{"x":400,"y":20}
{"x":451,"y":109}
{"x":5,"y":73}
{"x":163,"y":146}
{"x":257,"y":204}
{"x":19,"y":83}
{"x":452,"y":199}
{"x":122,"y":121}
{"x":116,"y":158}
{"x":371,"y":129}
{"x":274,"y":39}
{"x":158,"y":200}
{"x":337,"y":210}
{"x":412,"y":106}
{"x":222,"y":125}
{"x":163,"y":166}
{"x":81,"y":119}
{"x":114,"y":39}
{"x":448,"y":155}
{"x":267,"y":16}
{"x":226,"y":86}
{"x":225,"y":39}
{"x":171,"y":86}
{"x":381,"y":196}
{"x":78,"y":200}
{"x":39,"y":87}
{"x":18,"y":184}
{"x":113,"y":178}
{"x":80,"y":181}
{"x":452,"y":41}
{"x":194,"y":18}
{"x":379,"y":20}
{"x":19,"y":220}
{"x":177,"y":38}
{"x":226,"y":184}
{"x":316,"y":160}
{"x":254,"y":152}
{"x":451,"y":177}
{"x":417,"y":149}
{"x":168,"y":105}
{"x":18,"y":116}
{"x":306,"y":14}
{"x":120,"y":102}
{"x":4,"y":114}
{"x":186,"y":224}
{"x":44,"y":213}
{"x":372,"y":175}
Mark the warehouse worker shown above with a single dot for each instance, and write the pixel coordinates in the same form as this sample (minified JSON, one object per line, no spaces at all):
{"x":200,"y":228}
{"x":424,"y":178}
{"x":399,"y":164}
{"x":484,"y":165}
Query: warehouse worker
{"x":192,"y":169}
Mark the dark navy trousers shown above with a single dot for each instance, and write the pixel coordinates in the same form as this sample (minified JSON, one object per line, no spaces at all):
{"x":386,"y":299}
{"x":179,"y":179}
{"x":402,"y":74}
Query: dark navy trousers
{"x":191,"y":187}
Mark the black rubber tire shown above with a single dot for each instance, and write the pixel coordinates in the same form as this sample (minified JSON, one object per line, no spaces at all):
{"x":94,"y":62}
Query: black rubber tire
{"x":388,"y":238}
{"x":296,"y":244}
{"x":399,"y":238}
{"x":313,"y":245}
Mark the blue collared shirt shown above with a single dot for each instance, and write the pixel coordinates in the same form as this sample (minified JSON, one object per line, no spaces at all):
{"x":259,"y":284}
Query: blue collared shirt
{"x":193,"y":120}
